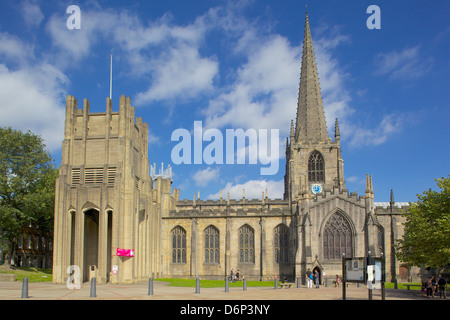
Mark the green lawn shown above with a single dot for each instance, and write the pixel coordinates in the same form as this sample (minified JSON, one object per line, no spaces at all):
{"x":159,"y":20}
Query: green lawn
{"x":214,"y":283}
{"x":33,"y":274}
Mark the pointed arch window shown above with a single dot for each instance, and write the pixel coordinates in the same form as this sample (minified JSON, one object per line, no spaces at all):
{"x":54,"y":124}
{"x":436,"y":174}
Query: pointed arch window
{"x":178,"y":245}
{"x":316,"y":167}
{"x":212,"y":248}
{"x":246,"y":244}
{"x":337,"y":238}
{"x":281,"y":243}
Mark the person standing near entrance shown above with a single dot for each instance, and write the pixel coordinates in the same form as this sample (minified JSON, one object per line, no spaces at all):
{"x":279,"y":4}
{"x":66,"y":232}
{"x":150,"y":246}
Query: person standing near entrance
{"x":308,"y":278}
{"x":316,"y":278}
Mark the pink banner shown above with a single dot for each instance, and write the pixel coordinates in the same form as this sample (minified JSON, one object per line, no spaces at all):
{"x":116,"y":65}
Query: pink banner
{"x":125,"y":252}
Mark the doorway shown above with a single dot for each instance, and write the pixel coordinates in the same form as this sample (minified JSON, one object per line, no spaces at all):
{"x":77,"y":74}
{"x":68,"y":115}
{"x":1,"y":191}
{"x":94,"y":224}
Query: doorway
{"x":90,"y":258}
{"x":319,"y":271}
{"x":109,"y":214}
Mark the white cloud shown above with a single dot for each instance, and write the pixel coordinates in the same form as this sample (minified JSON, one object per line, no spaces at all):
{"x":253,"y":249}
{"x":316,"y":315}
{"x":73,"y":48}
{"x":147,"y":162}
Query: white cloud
{"x":13,"y":49}
{"x":264,"y":92}
{"x":179,"y":73}
{"x":406,"y":64}
{"x":32,"y":14}
{"x":203,"y":177}
{"x":31,"y":101}
{"x":389,"y":125}
{"x":165,"y":53}
{"x":253,"y":190}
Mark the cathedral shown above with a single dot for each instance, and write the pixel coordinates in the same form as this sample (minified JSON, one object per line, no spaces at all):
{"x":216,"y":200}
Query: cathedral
{"x":119,"y":221}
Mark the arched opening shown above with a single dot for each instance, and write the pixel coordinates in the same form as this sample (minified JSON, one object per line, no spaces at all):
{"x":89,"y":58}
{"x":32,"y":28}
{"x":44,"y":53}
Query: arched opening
{"x":281,"y":243}
{"x":212,"y":245}
{"x":246,"y":244}
{"x":109,"y":246}
{"x":90,"y":259}
{"x":316,"y":168}
{"x":319,"y":272}
{"x":72,"y":220}
{"x":337,"y":238}
{"x":178,"y":245}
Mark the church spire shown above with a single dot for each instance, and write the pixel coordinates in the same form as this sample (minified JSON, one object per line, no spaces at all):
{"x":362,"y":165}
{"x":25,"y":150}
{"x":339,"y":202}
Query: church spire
{"x":310,"y":124}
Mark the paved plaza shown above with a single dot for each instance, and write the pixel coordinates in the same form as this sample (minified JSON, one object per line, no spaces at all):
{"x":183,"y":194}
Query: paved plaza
{"x":161,"y":291}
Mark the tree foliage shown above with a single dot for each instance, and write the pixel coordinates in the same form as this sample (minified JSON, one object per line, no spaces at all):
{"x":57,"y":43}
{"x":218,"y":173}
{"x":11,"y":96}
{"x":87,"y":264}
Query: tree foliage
{"x":27,"y":185}
{"x":426,"y":240}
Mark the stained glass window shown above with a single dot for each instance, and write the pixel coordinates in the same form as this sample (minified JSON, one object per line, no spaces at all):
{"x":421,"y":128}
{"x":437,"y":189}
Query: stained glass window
{"x":212,"y":248}
{"x":337,"y":238}
{"x":281,"y":243}
{"x":246,"y":244}
{"x":178,"y":245}
{"x":316,"y":167}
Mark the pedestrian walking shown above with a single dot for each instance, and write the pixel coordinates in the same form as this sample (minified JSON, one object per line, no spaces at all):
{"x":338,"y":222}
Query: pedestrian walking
{"x":429,"y":288}
{"x":433,"y":286}
{"x":441,"y":285}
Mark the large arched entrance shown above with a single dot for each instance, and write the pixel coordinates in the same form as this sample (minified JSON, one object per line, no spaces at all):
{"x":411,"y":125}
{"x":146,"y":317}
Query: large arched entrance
{"x":90,"y":258}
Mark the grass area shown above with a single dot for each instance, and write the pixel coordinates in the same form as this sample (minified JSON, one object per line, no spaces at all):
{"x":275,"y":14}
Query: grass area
{"x":221,"y":284}
{"x":390,"y":285}
{"x":33,"y":274}
{"x":214,"y":283}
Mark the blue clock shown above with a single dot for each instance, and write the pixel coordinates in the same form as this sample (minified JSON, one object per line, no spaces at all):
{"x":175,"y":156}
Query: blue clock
{"x":316,"y":188}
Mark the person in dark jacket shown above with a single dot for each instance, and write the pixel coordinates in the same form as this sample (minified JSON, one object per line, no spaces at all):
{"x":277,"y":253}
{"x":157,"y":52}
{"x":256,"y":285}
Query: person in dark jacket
{"x":441,"y":285}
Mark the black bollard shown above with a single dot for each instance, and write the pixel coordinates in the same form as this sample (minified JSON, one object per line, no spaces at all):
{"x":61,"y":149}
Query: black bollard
{"x":197,"y":285}
{"x":245,"y":284}
{"x":227,"y":286}
{"x":93,"y":288}
{"x":25,"y":288}
{"x":276,"y":284}
{"x":298,"y":282}
{"x":150,"y":286}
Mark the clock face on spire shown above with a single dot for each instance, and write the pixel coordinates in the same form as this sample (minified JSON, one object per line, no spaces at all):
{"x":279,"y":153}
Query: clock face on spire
{"x":316,"y":188}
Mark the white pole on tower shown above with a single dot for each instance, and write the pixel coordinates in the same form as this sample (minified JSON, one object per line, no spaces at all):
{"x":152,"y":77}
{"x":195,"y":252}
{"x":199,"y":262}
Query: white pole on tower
{"x":110,"y":81}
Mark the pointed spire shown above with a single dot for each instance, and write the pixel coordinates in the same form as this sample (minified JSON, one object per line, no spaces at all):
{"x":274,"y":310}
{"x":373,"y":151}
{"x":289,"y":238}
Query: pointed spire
{"x":310,"y":124}
{"x":337,"y":134}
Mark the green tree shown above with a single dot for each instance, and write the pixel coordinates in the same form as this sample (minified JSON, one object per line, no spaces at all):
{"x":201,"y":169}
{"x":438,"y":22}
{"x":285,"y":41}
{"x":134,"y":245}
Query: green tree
{"x":426,"y":240}
{"x":27,"y":186}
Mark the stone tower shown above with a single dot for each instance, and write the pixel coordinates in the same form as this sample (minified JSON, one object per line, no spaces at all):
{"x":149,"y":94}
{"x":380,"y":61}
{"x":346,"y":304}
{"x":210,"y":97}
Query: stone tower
{"x":312,"y":158}
{"x":105,"y":199}
{"x":329,"y":221}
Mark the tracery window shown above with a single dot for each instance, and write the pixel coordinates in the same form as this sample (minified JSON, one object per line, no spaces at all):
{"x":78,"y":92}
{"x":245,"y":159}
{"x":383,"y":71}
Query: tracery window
{"x":337,"y":238}
{"x":212,"y":247}
{"x":281,"y":243}
{"x":178,"y":245}
{"x":316,"y":167}
{"x":246,"y":244}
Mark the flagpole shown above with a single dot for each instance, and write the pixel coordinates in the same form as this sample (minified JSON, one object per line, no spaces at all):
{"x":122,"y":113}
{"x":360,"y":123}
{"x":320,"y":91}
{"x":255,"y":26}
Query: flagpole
{"x":110,"y":81}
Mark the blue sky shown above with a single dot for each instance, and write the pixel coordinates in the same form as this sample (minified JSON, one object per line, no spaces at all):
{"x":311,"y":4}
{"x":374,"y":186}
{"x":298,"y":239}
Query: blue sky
{"x":236,"y":64}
